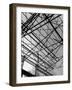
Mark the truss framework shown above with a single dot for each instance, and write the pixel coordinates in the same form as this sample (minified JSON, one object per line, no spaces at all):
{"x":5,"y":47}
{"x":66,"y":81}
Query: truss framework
{"x":41,"y":42}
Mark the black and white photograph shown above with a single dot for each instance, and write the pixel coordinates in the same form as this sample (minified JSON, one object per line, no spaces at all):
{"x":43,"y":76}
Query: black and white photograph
{"x":41,"y":44}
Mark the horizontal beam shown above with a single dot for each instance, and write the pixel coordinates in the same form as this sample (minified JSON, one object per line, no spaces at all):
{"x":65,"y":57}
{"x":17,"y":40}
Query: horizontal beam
{"x":39,"y":51}
{"x":39,"y":26}
{"x":37,"y":56}
{"x":45,"y":47}
{"x":38,"y":69}
{"x":41,"y":46}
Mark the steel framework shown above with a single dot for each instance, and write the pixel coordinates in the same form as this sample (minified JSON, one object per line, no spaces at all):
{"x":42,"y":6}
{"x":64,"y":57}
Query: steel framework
{"x":41,"y":43}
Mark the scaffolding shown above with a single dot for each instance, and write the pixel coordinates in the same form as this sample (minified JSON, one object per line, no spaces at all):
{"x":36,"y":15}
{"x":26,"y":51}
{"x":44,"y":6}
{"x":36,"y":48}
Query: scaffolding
{"x":41,"y":42}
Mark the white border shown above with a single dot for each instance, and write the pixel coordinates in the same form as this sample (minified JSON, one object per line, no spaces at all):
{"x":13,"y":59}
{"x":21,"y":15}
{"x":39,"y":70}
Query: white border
{"x":63,"y":77}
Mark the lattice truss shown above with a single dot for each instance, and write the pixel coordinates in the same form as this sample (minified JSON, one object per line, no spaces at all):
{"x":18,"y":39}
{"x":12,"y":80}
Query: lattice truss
{"x":41,"y":42}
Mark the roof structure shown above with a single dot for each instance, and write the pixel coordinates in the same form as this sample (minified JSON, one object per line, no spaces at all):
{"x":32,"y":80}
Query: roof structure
{"x":41,"y":43}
